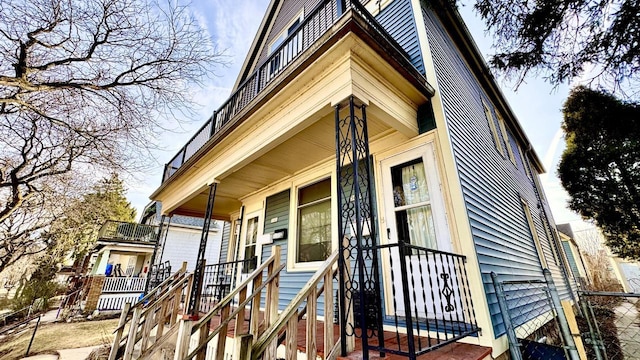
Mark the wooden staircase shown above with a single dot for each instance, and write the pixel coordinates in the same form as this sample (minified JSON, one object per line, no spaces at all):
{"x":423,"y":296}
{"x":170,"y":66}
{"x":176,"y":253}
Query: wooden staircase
{"x":241,"y":327}
{"x":150,"y":326}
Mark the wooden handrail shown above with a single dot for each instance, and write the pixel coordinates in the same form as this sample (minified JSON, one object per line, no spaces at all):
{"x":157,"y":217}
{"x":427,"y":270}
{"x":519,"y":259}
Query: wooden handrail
{"x":225,"y":308}
{"x":290,"y":313}
{"x":227,"y":299}
{"x":147,"y":317}
{"x":239,"y":308}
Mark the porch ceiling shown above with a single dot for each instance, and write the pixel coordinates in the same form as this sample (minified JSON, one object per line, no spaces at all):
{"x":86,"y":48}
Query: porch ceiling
{"x":311,"y":145}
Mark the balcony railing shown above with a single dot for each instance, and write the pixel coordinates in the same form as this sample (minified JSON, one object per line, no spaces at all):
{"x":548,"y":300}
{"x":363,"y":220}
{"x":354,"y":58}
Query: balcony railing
{"x":123,"y":284}
{"x":316,"y":24}
{"x":119,"y":230}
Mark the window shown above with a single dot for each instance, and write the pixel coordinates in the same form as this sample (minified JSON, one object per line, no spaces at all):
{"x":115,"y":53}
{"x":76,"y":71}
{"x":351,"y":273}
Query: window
{"x":412,"y":205}
{"x":525,"y":165}
{"x":492,"y":127}
{"x":293,"y":47}
{"x":534,"y":233}
{"x":507,"y":141}
{"x":314,"y":222}
{"x":251,"y":238}
{"x":285,"y":33}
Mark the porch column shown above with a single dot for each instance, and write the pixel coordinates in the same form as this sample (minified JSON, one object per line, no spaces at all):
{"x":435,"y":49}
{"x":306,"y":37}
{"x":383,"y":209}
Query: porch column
{"x":101,"y":266}
{"x":196,"y":289}
{"x":359,"y":287}
{"x":153,"y":256}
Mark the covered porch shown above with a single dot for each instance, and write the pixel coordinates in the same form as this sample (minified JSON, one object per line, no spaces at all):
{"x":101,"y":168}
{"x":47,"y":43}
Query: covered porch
{"x":311,"y":165}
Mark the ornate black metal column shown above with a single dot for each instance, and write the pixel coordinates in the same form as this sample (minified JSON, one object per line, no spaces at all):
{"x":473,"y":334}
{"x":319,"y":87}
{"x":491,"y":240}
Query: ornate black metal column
{"x":196,"y":289}
{"x":153,"y":256}
{"x":359,"y":287}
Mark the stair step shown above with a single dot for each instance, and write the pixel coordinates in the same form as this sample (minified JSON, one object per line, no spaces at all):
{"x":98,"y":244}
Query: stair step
{"x":453,"y":351}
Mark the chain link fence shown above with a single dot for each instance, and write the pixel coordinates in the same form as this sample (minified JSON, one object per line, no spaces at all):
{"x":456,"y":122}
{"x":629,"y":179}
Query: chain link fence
{"x":531,"y":319}
{"x":610,"y":325}
{"x":607,"y":328}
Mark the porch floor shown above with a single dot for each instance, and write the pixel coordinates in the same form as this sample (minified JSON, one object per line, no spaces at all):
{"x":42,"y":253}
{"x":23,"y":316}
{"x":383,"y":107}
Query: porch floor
{"x":453,"y":351}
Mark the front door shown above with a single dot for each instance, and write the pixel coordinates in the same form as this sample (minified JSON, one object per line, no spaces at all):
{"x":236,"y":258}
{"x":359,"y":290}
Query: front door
{"x":415,"y":216}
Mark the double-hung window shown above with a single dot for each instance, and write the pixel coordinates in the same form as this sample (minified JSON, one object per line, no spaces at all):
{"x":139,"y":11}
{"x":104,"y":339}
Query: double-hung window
{"x":283,"y":56}
{"x":314,"y":222}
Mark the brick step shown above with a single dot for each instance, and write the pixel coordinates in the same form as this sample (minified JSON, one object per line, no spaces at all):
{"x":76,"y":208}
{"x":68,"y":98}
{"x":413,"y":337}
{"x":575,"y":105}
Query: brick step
{"x":453,"y":351}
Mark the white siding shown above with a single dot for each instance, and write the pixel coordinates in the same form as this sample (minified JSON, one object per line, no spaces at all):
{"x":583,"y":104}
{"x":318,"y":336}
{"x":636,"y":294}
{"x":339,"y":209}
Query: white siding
{"x":182,"y":245}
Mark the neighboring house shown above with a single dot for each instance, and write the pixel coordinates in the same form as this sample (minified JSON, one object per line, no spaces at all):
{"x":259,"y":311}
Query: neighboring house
{"x":601,"y":263}
{"x":121,"y":262}
{"x":574,"y":257}
{"x":379,"y":131}
{"x":180,"y":240}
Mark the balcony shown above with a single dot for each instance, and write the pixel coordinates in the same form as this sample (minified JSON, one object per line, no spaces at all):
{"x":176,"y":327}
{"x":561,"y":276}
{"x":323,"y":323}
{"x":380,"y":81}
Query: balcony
{"x":113,"y":230}
{"x":321,"y":28}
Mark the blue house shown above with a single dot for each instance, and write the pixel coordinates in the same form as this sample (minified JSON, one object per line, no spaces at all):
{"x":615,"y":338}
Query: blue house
{"x":368,"y":145}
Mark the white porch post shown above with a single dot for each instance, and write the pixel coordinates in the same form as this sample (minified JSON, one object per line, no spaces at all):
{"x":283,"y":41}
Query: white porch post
{"x":102,"y":263}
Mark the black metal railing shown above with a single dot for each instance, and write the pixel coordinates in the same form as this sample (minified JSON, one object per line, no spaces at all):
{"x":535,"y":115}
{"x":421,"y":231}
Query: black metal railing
{"x":430,"y":302}
{"x":159,"y":273}
{"x":220,"y":279}
{"x":315,"y":24}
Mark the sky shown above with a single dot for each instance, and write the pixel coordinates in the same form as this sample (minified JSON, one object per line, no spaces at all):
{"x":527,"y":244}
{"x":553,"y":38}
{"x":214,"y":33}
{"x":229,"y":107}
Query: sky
{"x":232,"y":25}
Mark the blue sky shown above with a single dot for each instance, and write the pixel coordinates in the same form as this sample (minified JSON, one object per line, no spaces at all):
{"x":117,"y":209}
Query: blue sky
{"x":232,"y":25}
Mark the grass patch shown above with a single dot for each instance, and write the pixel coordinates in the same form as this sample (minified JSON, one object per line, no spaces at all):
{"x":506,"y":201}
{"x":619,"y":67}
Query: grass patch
{"x":56,"y":336}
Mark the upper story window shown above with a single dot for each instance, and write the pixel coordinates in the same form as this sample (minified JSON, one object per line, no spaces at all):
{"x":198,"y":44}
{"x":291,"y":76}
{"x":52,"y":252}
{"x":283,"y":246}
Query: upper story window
{"x":492,"y":127}
{"x":313,"y":240}
{"x":507,"y":140}
{"x":280,"y":58}
{"x":284,"y":34}
{"x":534,"y":233}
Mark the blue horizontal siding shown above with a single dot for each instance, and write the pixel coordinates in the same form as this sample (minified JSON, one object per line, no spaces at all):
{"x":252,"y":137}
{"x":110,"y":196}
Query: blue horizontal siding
{"x":491,"y":184}
{"x":398,"y":20}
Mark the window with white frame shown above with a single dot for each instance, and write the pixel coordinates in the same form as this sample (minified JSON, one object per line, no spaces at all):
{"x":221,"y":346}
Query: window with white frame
{"x":507,"y":141}
{"x":534,"y":233}
{"x":313,"y":240}
{"x":492,"y":127}
{"x":281,"y":58}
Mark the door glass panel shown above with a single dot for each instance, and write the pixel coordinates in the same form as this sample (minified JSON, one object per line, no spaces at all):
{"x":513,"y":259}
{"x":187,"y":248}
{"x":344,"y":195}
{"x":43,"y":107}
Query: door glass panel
{"x":250,"y":245}
{"x":412,"y":204}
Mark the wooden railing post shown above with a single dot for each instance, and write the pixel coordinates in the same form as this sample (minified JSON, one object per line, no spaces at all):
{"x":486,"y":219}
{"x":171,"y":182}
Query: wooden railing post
{"x":133,"y":332}
{"x":292,"y":339}
{"x":118,"y":335}
{"x":184,"y":338}
{"x":243,"y":346}
{"x":204,"y":333}
{"x":271,"y":302}
{"x":328,"y":311}
{"x":312,"y":309}
{"x":222,"y":335}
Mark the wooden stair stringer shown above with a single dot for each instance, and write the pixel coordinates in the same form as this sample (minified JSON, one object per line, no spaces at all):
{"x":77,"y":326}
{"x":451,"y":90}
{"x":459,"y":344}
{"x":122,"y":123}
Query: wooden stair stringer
{"x":166,"y":343}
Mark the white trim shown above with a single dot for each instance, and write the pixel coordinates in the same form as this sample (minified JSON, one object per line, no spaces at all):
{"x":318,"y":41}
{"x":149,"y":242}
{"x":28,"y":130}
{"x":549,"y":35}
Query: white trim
{"x":534,"y":233}
{"x":505,"y":137}
{"x":309,"y":179}
{"x":492,"y":127}
{"x":426,"y":151}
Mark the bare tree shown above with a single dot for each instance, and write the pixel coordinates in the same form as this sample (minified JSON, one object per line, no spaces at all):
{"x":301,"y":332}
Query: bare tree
{"x":84,"y":85}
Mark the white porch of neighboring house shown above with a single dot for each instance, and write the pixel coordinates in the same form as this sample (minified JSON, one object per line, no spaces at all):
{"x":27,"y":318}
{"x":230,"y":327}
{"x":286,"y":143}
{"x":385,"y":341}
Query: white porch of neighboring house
{"x":119,"y":273}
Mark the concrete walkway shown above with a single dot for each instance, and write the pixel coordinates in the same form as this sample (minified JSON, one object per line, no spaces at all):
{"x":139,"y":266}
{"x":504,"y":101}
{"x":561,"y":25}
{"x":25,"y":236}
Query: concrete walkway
{"x":66,"y":354}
